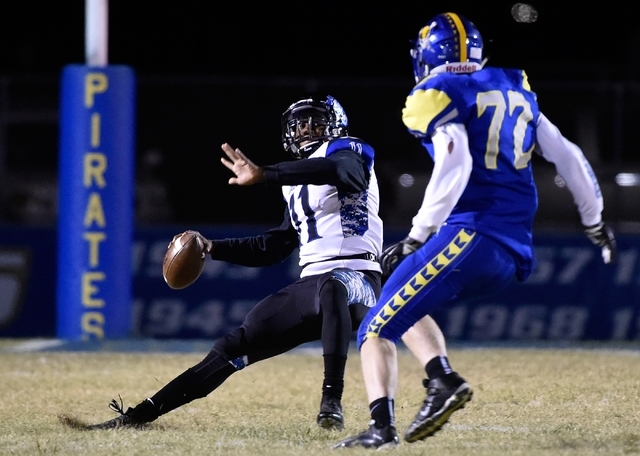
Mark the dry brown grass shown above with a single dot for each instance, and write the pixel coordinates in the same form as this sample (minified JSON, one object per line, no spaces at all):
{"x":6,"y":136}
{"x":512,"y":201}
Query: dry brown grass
{"x":528,"y":402}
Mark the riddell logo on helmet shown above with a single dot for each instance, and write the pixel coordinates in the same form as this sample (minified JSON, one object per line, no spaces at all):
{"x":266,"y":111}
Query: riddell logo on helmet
{"x":460,"y":68}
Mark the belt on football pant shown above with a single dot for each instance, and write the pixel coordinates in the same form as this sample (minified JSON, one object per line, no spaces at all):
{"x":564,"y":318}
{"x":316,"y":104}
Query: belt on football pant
{"x":357,"y":256}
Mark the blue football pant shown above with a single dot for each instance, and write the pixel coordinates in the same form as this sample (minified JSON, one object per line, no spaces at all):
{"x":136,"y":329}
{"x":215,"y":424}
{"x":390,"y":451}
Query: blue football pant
{"x":456,"y":264}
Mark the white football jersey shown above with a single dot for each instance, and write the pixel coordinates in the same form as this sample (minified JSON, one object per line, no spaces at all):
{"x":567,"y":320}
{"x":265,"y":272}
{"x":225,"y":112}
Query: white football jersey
{"x":335,"y":224}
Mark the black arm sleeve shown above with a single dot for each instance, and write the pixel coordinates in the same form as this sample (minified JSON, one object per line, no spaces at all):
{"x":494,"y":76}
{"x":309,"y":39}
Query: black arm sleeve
{"x":346,"y":170}
{"x":269,"y":248}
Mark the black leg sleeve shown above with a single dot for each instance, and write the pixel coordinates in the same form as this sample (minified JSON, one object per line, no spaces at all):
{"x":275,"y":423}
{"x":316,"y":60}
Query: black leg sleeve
{"x":336,"y":335}
{"x":194,"y":383}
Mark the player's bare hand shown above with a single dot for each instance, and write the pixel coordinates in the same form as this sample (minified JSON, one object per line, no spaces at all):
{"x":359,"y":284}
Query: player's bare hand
{"x":207,"y":243}
{"x":247,"y":172}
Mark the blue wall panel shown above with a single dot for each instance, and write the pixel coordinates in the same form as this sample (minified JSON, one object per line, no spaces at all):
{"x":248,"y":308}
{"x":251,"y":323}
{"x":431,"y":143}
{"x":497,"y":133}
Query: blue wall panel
{"x":570,"y":296}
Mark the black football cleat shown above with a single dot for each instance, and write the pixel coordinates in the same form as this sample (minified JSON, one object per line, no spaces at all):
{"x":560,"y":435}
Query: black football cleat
{"x":122,"y":421}
{"x":133,"y":418}
{"x":376,"y":438}
{"x":445,"y":395}
{"x":330,"y":416}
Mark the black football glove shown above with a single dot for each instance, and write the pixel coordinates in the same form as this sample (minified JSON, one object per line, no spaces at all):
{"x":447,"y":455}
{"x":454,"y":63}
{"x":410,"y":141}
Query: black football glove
{"x":602,"y":236}
{"x":394,"y":254}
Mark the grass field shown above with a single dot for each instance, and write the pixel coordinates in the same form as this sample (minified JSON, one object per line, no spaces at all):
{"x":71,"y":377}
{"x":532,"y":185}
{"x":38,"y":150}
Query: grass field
{"x":528,"y":401}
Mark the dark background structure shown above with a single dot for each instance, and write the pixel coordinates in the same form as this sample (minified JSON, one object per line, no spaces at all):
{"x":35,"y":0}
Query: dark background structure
{"x":211,"y":72}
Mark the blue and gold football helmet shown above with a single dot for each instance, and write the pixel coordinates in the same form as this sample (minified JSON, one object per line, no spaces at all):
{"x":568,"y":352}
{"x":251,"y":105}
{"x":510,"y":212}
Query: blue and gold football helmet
{"x":311,"y":121}
{"x":448,"y":43}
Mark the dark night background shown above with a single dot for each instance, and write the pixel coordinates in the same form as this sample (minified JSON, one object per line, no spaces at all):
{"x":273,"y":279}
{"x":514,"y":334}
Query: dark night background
{"x":355,"y":38}
{"x":211,"y":72}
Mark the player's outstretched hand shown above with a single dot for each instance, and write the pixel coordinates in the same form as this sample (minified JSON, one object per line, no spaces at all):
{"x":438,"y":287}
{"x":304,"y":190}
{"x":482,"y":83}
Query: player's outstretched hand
{"x":247,"y":172}
{"x":602,"y":236}
{"x":394,"y":254}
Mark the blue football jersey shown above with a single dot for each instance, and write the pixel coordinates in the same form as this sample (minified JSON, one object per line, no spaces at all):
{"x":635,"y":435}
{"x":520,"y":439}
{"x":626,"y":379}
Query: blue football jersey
{"x":499,"y":111}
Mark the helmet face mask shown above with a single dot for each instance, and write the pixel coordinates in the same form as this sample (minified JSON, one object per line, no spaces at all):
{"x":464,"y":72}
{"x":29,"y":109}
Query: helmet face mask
{"x":310,"y":122}
{"x":449,"y":43}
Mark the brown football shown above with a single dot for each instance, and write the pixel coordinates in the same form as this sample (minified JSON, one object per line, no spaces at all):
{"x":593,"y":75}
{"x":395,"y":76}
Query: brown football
{"x":184,"y":260}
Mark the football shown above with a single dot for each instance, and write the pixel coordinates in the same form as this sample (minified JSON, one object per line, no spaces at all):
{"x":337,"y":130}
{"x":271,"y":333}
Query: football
{"x":183,"y":261}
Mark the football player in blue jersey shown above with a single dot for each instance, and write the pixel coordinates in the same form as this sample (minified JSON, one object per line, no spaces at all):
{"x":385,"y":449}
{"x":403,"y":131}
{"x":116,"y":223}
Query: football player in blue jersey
{"x":473,"y":232}
{"x":331,"y":215}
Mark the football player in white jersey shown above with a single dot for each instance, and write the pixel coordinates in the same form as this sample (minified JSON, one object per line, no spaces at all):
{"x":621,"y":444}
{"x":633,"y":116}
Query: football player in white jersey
{"x":331,"y":215}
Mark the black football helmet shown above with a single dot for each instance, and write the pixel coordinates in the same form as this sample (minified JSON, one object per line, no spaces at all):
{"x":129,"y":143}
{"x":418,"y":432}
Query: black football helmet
{"x":309,"y":122}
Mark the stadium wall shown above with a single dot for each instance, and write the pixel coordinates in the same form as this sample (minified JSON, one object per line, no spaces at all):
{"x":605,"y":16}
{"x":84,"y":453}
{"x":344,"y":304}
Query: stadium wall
{"x":571,"y":296}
